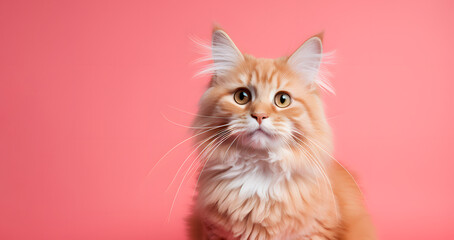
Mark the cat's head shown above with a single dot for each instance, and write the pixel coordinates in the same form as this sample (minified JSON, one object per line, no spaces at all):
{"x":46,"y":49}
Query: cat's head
{"x":264,"y":104}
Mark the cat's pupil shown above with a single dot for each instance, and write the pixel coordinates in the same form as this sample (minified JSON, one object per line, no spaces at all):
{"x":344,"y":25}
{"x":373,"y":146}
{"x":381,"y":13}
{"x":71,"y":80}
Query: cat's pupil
{"x":242,"y":96}
{"x":283,"y":98}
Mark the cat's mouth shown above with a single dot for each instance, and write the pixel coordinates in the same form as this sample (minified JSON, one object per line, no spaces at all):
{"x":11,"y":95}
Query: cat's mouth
{"x":259,"y":132}
{"x":259,"y":138}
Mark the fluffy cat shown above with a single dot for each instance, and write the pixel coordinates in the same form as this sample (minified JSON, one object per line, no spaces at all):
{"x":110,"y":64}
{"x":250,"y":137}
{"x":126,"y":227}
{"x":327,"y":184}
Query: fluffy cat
{"x":266,"y":170}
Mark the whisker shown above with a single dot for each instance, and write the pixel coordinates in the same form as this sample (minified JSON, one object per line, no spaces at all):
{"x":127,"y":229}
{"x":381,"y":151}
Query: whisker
{"x":311,"y":157}
{"x":181,"y":125}
{"x":193,"y":169}
{"x":325,"y":177}
{"x":187,"y":139}
{"x":321,"y":148}
{"x":225,"y":154}
{"x":290,"y":140}
{"x":184,"y":162}
{"x":201,"y":155}
{"x":206,"y":150}
{"x":207,"y":159}
{"x":184,"y":177}
{"x":194,"y":114}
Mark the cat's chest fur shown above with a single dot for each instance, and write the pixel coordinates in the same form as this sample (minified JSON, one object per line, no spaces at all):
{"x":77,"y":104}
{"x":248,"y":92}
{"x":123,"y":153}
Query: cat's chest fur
{"x":254,"y":173}
{"x":253,"y":194}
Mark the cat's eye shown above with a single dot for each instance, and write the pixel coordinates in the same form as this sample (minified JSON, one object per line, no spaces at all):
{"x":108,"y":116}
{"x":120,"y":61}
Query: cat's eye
{"x":242,"y":96}
{"x":282,"y":100}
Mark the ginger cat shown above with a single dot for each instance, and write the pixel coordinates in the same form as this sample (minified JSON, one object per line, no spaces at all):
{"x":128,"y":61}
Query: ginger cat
{"x":266,"y":170}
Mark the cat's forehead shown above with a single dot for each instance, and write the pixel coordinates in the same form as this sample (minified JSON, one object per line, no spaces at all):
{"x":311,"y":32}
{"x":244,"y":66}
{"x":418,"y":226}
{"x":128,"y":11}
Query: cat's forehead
{"x":265,"y":73}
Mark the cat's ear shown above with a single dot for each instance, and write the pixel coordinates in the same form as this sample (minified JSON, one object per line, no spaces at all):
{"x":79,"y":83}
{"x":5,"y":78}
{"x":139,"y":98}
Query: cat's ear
{"x":307,"y":58}
{"x":224,"y":53}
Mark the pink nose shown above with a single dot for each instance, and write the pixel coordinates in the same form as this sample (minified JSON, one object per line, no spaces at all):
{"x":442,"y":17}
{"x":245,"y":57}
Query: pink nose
{"x":259,"y":117}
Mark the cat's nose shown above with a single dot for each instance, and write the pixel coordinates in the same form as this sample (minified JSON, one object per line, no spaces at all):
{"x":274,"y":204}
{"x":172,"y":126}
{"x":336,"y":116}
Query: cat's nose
{"x":259,"y":117}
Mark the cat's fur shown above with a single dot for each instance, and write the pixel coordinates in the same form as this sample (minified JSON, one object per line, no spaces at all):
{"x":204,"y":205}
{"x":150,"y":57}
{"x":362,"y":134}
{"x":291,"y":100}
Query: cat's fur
{"x":279,"y":182}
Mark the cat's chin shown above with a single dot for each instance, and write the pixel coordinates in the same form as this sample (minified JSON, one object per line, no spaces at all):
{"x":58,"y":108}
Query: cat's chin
{"x":259,"y":139}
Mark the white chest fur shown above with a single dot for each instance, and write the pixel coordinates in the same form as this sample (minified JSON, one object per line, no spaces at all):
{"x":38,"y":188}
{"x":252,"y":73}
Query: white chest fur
{"x":254,"y":173}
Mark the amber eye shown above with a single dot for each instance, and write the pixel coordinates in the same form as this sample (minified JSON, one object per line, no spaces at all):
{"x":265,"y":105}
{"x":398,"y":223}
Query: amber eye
{"x":282,"y":100}
{"x":242,"y":96}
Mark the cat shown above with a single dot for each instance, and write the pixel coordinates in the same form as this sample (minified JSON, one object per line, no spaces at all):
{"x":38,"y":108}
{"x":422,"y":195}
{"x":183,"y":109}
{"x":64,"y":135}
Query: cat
{"x":266,"y":170}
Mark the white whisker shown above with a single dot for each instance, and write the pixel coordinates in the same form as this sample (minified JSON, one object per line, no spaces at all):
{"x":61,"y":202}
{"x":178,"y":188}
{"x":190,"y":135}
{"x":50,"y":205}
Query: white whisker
{"x":184,"y":162}
{"x":208,"y":158}
{"x":187,"y":139}
{"x":321,"y":148}
{"x":195,"y":114}
{"x":181,"y":125}
{"x":185,"y":175}
{"x":324,"y":174}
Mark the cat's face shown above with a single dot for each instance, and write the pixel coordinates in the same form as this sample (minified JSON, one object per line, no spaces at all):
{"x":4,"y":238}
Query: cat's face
{"x":263,"y":103}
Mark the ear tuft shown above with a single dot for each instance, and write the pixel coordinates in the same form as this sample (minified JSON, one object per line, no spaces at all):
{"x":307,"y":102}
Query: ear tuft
{"x":307,"y":58}
{"x":224,"y":52}
{"x":306,"y":61}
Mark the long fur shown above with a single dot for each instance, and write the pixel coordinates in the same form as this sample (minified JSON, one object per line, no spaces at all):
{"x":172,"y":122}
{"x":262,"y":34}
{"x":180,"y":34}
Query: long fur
{"x":275,"y":178}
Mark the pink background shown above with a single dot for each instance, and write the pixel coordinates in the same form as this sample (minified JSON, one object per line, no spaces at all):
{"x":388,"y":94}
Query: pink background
{"x":83,"y":85}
